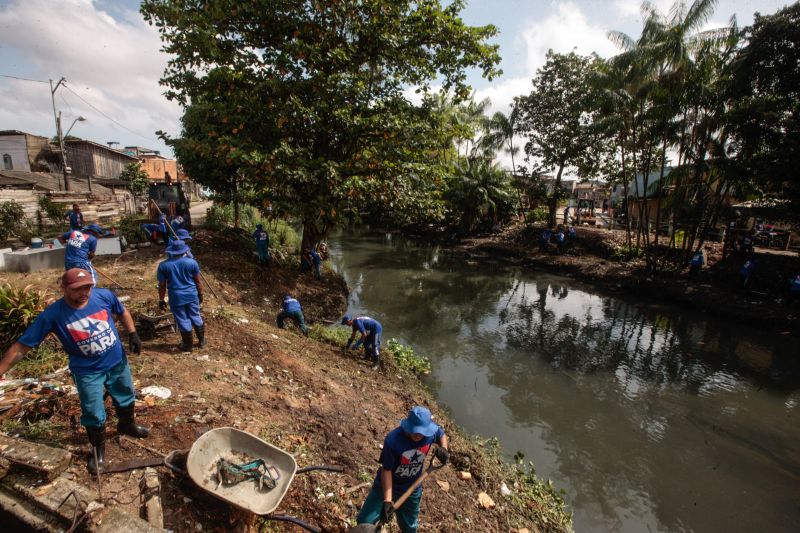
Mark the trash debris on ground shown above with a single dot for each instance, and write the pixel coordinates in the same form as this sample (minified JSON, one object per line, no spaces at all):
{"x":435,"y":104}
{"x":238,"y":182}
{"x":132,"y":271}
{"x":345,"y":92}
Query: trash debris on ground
{"x":162,"y":393}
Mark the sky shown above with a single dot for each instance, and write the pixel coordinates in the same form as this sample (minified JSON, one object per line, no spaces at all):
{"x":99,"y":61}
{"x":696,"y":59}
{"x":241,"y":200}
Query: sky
{"x":112,"y":62}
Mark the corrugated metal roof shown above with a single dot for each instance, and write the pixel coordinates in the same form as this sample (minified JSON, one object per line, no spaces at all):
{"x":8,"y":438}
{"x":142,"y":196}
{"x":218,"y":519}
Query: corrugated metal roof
{"x":69,"y":142}
{"x":53,"y":182}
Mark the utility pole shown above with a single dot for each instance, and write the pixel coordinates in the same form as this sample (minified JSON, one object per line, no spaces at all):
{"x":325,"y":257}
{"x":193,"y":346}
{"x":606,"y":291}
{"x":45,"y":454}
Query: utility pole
{"x":57,"y":117}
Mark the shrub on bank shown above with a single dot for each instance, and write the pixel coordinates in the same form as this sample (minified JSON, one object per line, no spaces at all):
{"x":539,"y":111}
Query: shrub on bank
{"x":18,"y":309}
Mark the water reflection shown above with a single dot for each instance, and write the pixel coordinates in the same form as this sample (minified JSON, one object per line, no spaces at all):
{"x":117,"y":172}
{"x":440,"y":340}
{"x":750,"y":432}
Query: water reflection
{"x":650,"y":418}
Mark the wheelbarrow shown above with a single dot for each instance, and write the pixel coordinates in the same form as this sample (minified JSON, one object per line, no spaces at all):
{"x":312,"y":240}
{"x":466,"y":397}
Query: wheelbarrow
{"x":257,"y":487}
{"x":256,"y":497}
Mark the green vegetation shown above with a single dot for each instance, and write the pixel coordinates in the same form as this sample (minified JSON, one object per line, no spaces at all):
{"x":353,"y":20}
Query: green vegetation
{"x":266,"y":121}
{"x":47,"y":358}
{"x":401,"y":357}
{"x":131,"y":227}
{"x":40,"y":430}
{"x":281,"y":233}
{"x":13,"y":222}
{"x":137,"y":178}
{"x":18,"y":309}
{"x":53,"y":212}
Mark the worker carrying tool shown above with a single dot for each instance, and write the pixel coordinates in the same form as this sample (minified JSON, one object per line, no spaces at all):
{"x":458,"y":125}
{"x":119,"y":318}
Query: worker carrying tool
{"x":262,"y":244}
{"x":83,"y":322}
{"x":292,"y":310}
{"x":182,"y":235}
{"x":311,"y":259}
{"x":80,"y":246}
{"x":402,"y":460}
{"x":370,"y":331}
{"x":179,"y":275}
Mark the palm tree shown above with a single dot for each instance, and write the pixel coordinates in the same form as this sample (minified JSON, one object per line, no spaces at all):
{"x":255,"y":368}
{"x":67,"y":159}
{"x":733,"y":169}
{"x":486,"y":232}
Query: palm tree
{"x":479,"y":190}
{"x":501,"y":129}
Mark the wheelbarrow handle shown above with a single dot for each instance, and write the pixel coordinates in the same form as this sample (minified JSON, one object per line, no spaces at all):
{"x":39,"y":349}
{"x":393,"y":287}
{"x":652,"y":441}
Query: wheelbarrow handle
{"x":329,"y":468}
{"x":293,"y":520}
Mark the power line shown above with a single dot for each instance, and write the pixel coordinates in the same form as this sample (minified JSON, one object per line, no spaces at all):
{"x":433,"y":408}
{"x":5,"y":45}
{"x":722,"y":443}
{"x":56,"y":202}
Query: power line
{"x":106,"y":116}
{"x":23,"y":79}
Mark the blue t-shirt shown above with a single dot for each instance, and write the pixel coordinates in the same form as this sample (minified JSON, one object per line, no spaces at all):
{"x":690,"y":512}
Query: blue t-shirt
{"x":290,"y":305}
{"x":697,"y":259}
{"x":366,"y":324}
{"x":405,"y":458}
{"x":261,"y":237}
{"x":179,"y":273}
{"x":546,"y":236}
{"x":75,"y":219}
{"x":78,"y":247}
{"x":88,"y":334}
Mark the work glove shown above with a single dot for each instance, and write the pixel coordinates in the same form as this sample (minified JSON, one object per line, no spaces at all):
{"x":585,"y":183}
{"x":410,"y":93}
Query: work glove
{"x":162,"y":305}
{"x":387,"y":511}
{"x":135,"y":342}
{"x":442,"y":454}
{"x":200,"y":297}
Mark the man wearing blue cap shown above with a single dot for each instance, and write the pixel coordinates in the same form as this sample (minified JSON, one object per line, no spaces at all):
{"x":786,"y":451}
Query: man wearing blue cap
{"x":370,"y":330}
{"x":183,"y":235}
{"x":262,"y":244}
{"x":402,"y":461}
{"x":293,"y":311}
{"x":180,"y":276}
{"x":80,"y":246}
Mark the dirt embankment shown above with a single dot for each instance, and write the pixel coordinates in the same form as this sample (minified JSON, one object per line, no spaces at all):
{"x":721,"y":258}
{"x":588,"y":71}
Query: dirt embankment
{"x":304,"y":396}
{"x":717,"y":291}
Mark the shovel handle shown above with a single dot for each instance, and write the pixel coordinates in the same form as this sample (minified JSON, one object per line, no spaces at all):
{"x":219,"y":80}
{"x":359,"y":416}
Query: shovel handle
{"x":431,"y":468}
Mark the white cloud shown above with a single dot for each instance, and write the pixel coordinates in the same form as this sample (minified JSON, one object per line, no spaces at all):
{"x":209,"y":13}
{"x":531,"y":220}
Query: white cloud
{"x":114,"y":64}
{"x":565,"y":30}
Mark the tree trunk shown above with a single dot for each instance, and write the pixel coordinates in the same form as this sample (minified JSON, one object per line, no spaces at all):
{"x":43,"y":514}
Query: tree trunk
{"x":553,"y":203}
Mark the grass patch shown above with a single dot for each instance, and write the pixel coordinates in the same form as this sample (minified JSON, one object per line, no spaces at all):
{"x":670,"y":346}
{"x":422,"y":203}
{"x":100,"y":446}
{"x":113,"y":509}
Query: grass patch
{"x":47,"y":358}
{"x":39,"y":431}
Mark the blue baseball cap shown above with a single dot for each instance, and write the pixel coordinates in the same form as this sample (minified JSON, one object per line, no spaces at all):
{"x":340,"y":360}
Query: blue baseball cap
{"x":177,"y":247}
{"x":94,"y":228}
{"x":345,"y":319}
{"x":183,"y":234}
{"x":420,"y":421}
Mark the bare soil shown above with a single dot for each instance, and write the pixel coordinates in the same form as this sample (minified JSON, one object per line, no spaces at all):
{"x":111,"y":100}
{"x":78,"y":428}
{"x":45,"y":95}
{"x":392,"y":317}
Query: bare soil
{"x":301,"y":395}
{"x":717,"y":291}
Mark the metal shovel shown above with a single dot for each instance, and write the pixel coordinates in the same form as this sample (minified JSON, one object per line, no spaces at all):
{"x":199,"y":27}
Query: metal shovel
{"x":376,"y":528}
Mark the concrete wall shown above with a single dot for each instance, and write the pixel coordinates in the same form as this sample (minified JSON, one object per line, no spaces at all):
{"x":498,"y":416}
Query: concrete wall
{"x":17,"y":148}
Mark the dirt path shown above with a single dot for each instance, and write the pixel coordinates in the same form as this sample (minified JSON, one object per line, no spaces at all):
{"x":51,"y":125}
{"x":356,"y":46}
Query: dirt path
{"x":304,"y":396}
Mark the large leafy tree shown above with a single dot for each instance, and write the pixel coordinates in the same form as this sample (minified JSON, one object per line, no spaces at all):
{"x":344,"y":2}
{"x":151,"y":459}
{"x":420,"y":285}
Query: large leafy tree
{"x":764,"y":94}
{"x":305,"y":100}
{"x":556,"y":115}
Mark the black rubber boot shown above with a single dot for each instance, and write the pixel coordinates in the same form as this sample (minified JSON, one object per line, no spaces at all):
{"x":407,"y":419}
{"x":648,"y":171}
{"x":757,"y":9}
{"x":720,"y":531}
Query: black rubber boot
{"x":97,"y":438}
{"x":127,"y":423}
{"x":186,"y":344}
{"x":201,"y":335}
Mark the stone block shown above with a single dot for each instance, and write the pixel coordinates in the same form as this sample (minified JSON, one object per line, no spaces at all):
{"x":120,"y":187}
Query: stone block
{"x":117,"y":520}
{"x":57,"y":498}
{"x":20,"y":514}
{"x":108,"y":246}
{"x":3,"y":251}
{"x":34,"y":259}
{"x":33,"y":458}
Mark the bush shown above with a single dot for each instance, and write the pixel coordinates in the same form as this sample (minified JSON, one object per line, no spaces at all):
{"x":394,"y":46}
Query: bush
{"x":131,"y":228}
{"x":53,"y":211}
{"x":538,"y":214}
{"x":13,"y":222}
{"x":405,"y":358}
{"x":18,"y":309}
{"x":625,"y":253}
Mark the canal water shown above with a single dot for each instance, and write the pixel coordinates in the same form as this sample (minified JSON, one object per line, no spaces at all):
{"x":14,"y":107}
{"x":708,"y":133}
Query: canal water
{"x":650,"y":418}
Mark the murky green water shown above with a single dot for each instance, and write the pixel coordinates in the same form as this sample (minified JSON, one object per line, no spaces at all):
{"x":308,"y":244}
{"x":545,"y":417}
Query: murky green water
{"x":649,"y":417}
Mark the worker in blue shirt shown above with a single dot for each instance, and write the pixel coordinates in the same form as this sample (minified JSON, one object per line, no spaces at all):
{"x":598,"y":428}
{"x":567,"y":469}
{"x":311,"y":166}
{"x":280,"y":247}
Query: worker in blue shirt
{"x":292,"y":310}
{"x":83,"y":321}
{"x":80,"y":247}
{"x":696,"y":263}
{"x":747,"y":272}
{"x":370,"y":331}
{"x":544,"y":240}
{"x":262,"y":244}
{"x":311,"y":259}
{"x":794,"y":289}
{"x":402,"y":462}
{"x":178,"y":223}
{"x":75,"y":217}
{"x":180,"y":276}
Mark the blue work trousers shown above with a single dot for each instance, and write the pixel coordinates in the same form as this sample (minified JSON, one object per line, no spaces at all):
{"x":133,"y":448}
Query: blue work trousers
{"x":407,"y":515}
{"x":296,"y":316}
{"x":84,"y":266}
{"x":372,"y":345}
{"x":263,"y":252}
{"x":91,"y":390}
{"x":187,"y":315}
